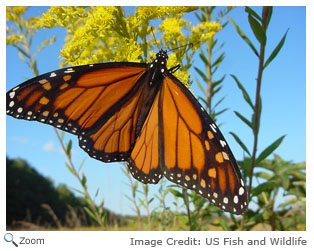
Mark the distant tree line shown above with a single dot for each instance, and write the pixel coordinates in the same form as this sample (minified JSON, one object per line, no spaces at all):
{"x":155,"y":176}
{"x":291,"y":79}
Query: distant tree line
{"x":33,"y":199}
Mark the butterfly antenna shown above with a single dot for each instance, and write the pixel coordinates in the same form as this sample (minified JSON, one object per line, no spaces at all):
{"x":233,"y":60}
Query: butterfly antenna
{"x":155,"y":38}
{"x":189,"y":45}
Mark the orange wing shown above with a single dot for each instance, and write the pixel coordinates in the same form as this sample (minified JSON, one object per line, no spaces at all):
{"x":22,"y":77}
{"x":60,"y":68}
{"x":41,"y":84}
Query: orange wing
{"x":99,"y":103}
{"x":138,"y":113}
{"x":144,"y":161}
{"x":193,"y":152}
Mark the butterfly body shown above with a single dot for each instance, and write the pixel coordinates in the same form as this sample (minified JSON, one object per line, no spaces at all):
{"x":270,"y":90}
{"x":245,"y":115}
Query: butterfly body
{"x":138,"y":113}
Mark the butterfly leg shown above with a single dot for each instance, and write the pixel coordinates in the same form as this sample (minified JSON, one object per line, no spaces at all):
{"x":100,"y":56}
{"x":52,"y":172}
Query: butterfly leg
{"x":174,"y":69}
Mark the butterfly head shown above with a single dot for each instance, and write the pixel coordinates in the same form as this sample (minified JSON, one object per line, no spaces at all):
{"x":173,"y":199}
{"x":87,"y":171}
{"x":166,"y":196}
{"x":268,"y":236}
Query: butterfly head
{"x":160,"y":61}
{"x":162,"y":55}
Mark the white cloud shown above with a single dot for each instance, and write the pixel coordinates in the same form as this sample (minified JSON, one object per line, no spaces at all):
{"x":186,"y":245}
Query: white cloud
{"x":49,"y":147}
{"x":19,"y":140}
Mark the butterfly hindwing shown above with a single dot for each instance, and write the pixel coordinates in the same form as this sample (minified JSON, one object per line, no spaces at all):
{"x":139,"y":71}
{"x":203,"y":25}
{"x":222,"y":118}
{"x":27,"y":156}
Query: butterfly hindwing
{"x":144,"y":161}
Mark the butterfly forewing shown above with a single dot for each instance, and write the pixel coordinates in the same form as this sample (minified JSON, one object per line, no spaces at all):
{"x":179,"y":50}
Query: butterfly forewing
{"x":97,"y":102}
{"x":194,"y":154}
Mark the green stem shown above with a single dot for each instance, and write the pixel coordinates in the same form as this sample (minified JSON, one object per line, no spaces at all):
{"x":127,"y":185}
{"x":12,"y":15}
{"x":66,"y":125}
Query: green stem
{"x":100,"y":222}
{"x":209,"y":94}
{"x":186,"y":202}
{"x":137,"y":209}
{"x":257,"y":107}
{"x":272,"y":213}
{"x":258,"y":98}
{"x":145,"y":189}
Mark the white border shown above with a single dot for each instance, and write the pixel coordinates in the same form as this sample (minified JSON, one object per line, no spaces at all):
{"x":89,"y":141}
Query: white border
{"x":82,"y":240}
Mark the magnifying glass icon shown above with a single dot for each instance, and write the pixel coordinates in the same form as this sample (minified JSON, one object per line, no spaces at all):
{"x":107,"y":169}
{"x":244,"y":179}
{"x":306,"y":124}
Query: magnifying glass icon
{"x":8,"y":237}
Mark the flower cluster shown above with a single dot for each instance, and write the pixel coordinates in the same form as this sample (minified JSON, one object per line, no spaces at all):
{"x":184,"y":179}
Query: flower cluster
{"x":104,"y":34}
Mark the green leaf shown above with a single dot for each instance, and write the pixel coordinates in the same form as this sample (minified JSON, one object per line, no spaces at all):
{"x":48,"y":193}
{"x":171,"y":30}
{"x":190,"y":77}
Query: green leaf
{"x":246,"y":166}
{"x":244,"y":37}
{"x":218,"y":48}
{"x":83,"y":180}
{"x":68,"y":148}
{"x":300,"y":176}
{"x":81,"y":165}
{"x":204,"y":59}
{"x":220,"y":112}
{"x":202,"y":99}
{"x":100,"y":210}
{"x":200,"y":86}
{"x":176,"y":193}
{"x":244,"y":92}
{"x":101,"y":205}
{"x":267,"y":12}
{"x":78,"y":191}
{"x":70,"y":169}
{"x":244,"y":119}
{"x":201,"y":74}
{"x":22,"y":58}
{"x":216,"y":90}
{"x":218,"y":61}
{"x":141,"y":202}
{"x":266,"y":186}
{"x":62,"y":135}
{"x":269,"y":150}
{"x":104,"y":219}
{"x":234,"y":220}
{"x":276,"y":50}
{"x":253,"y":13}
{"x":218,"y":103}
{"x":215,"y":83}
{"x":198,"y":17}
{"x":90,"y":213}
{"x":239,"y":141}
{"x":285,"y":181}
{"x":224,"y":225}
{"x":258,"y":30}
{"x":214,"y":42}
{"x":264,"y":175}
{"x":22,"y":51}
{"x":129,"y":198}
{"x":97,"y":191}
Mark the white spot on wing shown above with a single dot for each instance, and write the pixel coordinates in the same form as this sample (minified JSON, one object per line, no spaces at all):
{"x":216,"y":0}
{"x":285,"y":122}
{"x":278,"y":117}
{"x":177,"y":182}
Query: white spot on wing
{"x":212,"y":128}
{"x":241,"y":190}
{"x":69,"y":70}
{"x":223,"y":143}
{"x":12,"y":94}
{"x":236,"y":199}
{"x":53,"y":74}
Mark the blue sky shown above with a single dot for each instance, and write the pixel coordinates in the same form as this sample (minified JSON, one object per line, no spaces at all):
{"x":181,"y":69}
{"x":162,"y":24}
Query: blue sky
{"x":283,"y":94}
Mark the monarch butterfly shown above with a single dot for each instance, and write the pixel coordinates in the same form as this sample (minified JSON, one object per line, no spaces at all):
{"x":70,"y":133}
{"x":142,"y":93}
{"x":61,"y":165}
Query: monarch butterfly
{"x":139,"y":113}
